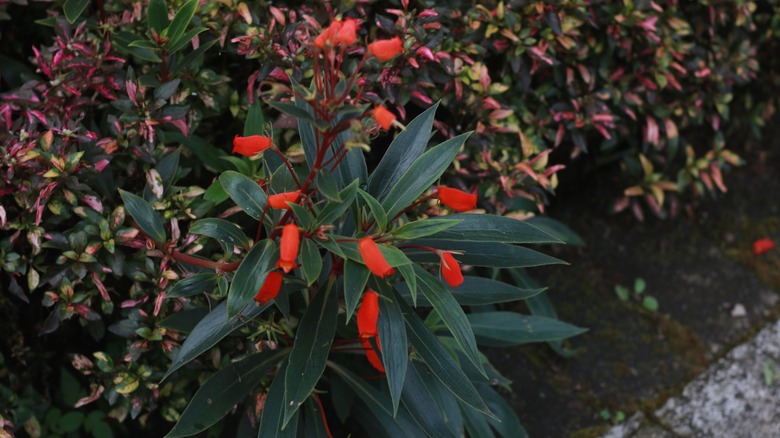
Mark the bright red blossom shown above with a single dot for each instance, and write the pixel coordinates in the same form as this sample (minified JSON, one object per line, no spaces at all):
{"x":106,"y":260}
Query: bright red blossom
{"x":450,"y":269}
{"x":457,"y":200}
{"x":252,"y":145}
{"x":288,"y":247}
{"x":280,"y":200}
{"x":368,"y":315}
{"x":384,"y":50}
{"x":761,"y":246}
{"x":348,"y":32}
{"x":371,"y":355}
{"x":270,"y":288}
{"x":339,"y":32}
{"x":383,"y":117}
{"x":373,"y":258}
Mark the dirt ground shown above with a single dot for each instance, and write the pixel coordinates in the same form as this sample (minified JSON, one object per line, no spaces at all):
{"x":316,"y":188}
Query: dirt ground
{"x":713,"y":293}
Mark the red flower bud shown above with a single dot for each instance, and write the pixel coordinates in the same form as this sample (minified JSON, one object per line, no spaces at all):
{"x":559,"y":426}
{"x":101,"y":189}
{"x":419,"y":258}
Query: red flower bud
{"x":368,"y":315}
{"x":761,"y":246}
{"x":373,"y":258}
{"x":371,"y":355}
{"x":383,"y":117}
{"x":279,"y":201}
{"x":339,"y":32}
{"x":252,"y":145}
{"x":348,"y":32}
{"x":288,"y":247}
{"x":385,"y":50}
{"x":270,"y":288}
{"x":328,"y":35}
{"x":457,"y":200}
{"x":450,"y":269}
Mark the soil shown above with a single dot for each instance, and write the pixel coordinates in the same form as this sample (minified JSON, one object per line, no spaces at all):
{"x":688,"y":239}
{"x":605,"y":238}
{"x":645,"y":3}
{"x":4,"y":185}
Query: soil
{"x":713,"y":293}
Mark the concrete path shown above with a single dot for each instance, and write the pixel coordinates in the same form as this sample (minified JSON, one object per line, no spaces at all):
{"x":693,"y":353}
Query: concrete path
{"x":738,"y":396}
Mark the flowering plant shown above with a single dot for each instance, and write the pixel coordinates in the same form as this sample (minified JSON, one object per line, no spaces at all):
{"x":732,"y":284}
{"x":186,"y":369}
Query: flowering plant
{"x":350,"y":285}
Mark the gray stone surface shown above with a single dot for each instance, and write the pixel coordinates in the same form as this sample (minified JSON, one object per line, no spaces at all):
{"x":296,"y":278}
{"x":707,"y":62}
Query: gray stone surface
{"x":730,"y":399}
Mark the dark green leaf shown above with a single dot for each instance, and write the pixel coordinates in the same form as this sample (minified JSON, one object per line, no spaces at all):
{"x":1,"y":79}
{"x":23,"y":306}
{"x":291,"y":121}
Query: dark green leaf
{"x":250,"y":276}
{"x":210,"y":330}
{"x":395,"y":347}
{"x":167,"y":168}
{"x":282,"y":180}
{"x":305,"y":219}
{"x":157,"y":15}
{"x":208,"y":154}
{"x":74,"y":8}
{"x":305,"y":128}
{"x":180,"y":22}
{"x":439,"y":361}
{"x":491,"y":228}
{"x":492,"y":254}
{"x":450,"y":313}
{"x":203,"y":282}
{"x":228,"y":386}
{"x":71,"y":421}
{"x":146,"y":218}
{"x":355,"y":279}
{"x":447,"y":402}
{"x":311,"y":261}
{"x":378,"y":213}
{"x":478,"y":291}
{"x":227,"y":233}
{"x":353,"y":167}
{"x":255,"y":120}
{"x":476,"y":423}
{"x":144,"y":44}
{"x":422,"y":406}
{"x":421,"y":174}
{"x":410,"y":279}
{"x":509,"y":426}
{"x":273,"y":410}
{"x":310,"y":351}
{"x":186,"y":39}
{"x":327,"y":186}
{"x":334,"y":210}
{"x":403,"y":151}
{"x":504,"y":329}
{"x":246,"y":193}
{"x":166,"y":90}
{"x":184,"y":321}
{"x":423,"y":228}
{"x":556,"y":229}
{"x":313,"y":424}
{"x":293,"y":109}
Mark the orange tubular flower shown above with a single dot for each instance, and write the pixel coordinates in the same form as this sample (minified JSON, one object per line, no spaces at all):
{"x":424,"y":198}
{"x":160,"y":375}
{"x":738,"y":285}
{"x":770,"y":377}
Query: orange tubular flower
{"x":288,"y":248}
{"x":385,"y":50}
{"x":457,"y":200}
{"x":373,"y":258}
{"x":371,"y":355}
{"x":348,"y":32}
{"x":383,"y":117}
{"x":328,"y":36}
{"x":279,"y":201}
{"x":270,"y":289}
{"x":368,"y":315}
{"x":761,"y":246}
{"x":252,"y":145}
{"x":450,"y":269}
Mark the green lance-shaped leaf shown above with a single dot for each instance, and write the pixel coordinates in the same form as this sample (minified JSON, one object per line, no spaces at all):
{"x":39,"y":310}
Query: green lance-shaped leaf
{"x":506,"y":329}
{"x":186,"y":38}
{"x":180,"y":22}
{"x":226,"y":233}
{"x":246,"y":193}
{"x":478,"y":291}
{"x":334,"y":210}
{"x":490,"y":254}
{"x":146,"y":218}
{"x":255,"y":120}
{"x":194,"y":285}
{"x":395,"y":346}
{"x":377,"y":212}
{"x":250,"y":276}
{"x":311,"y":261}
{"x":157,"y":15}
{"x":439,"y":361}
{"x":227,"y":387}
{"x":209,"y":155}
{"x":311,"y":348}
{"x":509,"y":426}
{"x":405,"y":148}
{"x":492,"y":228}
{"x":273,"y":411}
{"x":421,"y":174}
{"x":423,"y":228}
{"x":450,"y":313}
{"x":185,"y":320}
{"x":210,"y":330}
{"x":355,"y":279}
{"x":73,"y":9}
{"x":556,"y":229}
{"x":421,"y":404}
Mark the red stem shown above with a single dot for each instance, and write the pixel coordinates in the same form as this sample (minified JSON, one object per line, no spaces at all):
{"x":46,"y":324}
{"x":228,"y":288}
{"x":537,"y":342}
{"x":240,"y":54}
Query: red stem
{"x":203,"y":263}
{"x":322,"y":412}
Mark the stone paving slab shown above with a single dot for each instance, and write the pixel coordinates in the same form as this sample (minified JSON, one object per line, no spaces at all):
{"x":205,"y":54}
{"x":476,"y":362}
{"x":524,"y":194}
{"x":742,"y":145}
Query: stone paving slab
{"x":738,"y":396}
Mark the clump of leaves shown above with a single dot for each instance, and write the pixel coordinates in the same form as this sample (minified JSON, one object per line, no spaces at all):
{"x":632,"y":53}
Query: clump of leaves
{"x":637,"y":293}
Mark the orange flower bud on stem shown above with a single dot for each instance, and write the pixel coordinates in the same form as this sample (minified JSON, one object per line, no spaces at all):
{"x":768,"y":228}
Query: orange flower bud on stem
{"x":270,"y":288}
{"x":385,"y":50}
{"x":288,"y":248}
{"x":368,"y":314}
{"x":373,"y":258}
{"x":450,"y":269}
{"x":251,"y":145}
{"x":280,"y":200}
{"x":457,"y":200}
